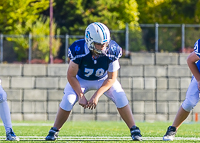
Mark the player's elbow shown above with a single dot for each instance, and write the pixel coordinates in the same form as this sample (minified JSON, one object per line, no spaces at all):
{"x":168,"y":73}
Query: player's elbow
{"x":192,"y":58}
{"x":111,"y":81}
{"x":189,"y":59}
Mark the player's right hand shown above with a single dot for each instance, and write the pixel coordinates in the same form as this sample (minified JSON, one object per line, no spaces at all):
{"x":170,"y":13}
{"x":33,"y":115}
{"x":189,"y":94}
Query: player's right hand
{"x":83,"y":101}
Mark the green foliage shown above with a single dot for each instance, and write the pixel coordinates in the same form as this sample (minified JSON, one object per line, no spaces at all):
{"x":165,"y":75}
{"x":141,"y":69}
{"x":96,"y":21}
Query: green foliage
{"x":21,"y":17}
{"x":169,"y":11}
{"x":75,"y":15}
{"x":135,"y":41}
{"x":20,"y":12}
{"x":190,"y":33}
{"x":40,"y":31}
{"x":40,"y":41}
{"x":169,"y":39}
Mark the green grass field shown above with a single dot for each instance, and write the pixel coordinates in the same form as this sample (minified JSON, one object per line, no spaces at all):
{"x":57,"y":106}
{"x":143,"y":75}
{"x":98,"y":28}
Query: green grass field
{"x":102,"y":132}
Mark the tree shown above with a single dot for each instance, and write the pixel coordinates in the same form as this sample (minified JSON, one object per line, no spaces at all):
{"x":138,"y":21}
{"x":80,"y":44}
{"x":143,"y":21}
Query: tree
{"x":73,"y":16}
{"x":169,"y":12}
{"x":15,"y":12}
{"x":40,"y":39}
{"x":21,"y":17}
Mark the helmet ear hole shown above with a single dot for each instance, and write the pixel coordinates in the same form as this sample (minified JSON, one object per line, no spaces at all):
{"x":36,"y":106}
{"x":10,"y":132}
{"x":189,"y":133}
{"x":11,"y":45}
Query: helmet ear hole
{"x":91,"y":47}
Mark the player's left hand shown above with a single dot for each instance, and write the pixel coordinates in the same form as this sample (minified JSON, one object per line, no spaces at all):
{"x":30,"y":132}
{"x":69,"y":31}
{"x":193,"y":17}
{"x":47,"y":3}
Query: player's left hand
{"x":92,"y":103}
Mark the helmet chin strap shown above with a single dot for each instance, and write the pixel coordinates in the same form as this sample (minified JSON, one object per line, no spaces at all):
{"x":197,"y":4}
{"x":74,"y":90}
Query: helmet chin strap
{"x":95,"y":53}
{"x":94,"y":50}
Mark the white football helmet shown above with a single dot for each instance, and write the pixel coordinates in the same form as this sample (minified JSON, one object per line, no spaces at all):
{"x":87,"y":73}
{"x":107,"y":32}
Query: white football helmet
{"x":97,"y":33}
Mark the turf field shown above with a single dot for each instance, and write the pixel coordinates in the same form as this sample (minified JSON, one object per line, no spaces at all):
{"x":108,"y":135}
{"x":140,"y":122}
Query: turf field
{"x":101,"y":132}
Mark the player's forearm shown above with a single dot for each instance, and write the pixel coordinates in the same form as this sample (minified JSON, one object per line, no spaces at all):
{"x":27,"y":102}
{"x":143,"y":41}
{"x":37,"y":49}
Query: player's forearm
{"x":75,"y":85}
{"x":105,"y":86}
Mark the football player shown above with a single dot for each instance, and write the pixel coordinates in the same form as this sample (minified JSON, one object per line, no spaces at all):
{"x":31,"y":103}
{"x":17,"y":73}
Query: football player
{"x":94,"y":62}
{"x":192,"y":94}
{"x":5,"y":116}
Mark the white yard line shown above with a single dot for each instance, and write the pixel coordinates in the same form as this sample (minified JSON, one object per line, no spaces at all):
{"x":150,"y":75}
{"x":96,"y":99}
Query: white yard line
{"x":88,"y":138}
{"x":30,"y":124}
{"x":84,"y":138}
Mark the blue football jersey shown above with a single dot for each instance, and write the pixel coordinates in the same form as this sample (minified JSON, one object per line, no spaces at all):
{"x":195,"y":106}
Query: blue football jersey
{"x":90,"y":68}
{"x":197,"y":52}
{"x":197,"y":47}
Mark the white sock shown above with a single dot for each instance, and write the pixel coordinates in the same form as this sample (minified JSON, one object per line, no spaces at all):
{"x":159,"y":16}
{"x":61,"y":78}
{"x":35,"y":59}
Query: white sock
{"x":5,"y":115}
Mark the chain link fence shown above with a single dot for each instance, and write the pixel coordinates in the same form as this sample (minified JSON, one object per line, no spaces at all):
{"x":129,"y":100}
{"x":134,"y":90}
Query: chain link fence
{"x":147,"y":38}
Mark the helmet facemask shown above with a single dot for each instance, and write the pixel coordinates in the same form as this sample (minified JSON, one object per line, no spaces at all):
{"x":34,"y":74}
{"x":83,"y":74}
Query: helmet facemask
{"x":97,"y":51}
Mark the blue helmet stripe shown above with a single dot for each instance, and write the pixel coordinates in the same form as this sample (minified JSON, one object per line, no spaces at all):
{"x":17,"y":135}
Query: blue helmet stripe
{"x":103,"y":30}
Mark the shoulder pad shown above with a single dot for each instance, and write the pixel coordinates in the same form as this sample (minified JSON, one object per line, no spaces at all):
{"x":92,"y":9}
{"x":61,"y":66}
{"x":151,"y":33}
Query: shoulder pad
{"x":78,"y":49}
{"x":114,"y":51}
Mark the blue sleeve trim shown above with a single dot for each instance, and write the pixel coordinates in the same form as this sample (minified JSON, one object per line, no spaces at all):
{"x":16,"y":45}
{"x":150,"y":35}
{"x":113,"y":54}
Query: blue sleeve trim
{"x":197,"y":48}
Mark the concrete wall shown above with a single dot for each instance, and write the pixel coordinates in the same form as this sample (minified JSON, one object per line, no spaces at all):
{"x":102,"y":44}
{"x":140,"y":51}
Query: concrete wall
{"x":155,"y":84}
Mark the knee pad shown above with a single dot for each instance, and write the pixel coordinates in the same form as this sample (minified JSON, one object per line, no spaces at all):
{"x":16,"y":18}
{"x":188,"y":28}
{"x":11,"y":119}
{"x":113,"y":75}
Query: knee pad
{"x":121,"y":100}
{"x":189,"y":104}
{"x":3,"y":95}
{"x":68,"y":102}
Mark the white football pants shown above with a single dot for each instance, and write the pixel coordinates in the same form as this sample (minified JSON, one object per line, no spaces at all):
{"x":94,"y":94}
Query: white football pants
{"x":4,"y":110}
{"x":115,"y":93}
{"x":192,"y":96}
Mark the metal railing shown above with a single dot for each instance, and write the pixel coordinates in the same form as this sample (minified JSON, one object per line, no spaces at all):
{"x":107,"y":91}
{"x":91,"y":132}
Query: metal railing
{"x":158,"y":37}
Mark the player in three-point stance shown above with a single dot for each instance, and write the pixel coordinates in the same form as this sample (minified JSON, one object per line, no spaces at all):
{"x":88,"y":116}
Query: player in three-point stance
{"x":192,"y":95}
{"x":93,"y":66}
{"x":5,"y":116}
